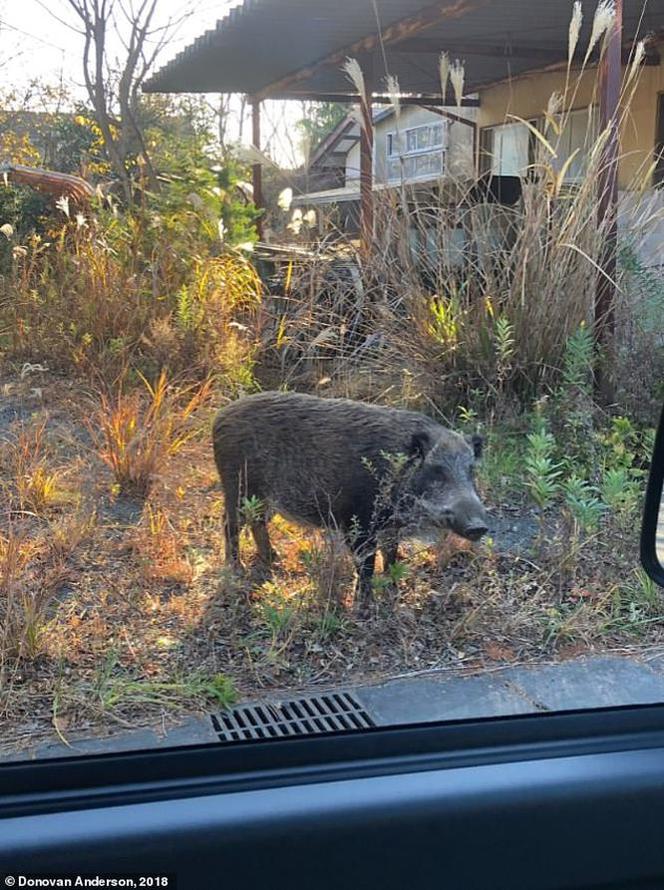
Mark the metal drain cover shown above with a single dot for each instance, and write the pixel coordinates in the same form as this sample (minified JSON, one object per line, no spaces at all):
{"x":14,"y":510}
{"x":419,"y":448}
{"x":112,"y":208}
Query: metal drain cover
{"x":311,"y":715}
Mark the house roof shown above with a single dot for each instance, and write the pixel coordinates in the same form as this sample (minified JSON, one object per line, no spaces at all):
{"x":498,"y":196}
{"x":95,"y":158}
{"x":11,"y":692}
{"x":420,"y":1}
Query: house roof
{"x":295,"y":48}
{"x":345,"y":135}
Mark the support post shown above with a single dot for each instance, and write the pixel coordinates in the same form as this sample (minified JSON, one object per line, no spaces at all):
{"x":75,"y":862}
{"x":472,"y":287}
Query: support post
{"x":366,"y":169}
{"x":257,"y":170}
{"x":610,"y":75}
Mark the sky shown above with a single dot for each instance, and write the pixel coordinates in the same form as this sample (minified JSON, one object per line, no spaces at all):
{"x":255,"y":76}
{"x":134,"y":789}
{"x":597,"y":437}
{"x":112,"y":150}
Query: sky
{"x":37,"y":42}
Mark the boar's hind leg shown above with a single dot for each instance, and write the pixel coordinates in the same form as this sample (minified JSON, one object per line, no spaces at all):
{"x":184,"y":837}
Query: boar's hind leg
{"x":363,"y":546}
{"x":232,"y":535}
{"x":389,"y":548}
{"x":231,"y":520}
{"x":266,"y":553}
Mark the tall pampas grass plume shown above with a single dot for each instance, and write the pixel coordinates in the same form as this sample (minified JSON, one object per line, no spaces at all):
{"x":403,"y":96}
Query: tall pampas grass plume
{"x":574,"y":30}
{"x":457,"y":78}
{"x":354,"y":73}
{"x":444,"y":71}
{"x":602,"y":22}
{"x":392,"y":87}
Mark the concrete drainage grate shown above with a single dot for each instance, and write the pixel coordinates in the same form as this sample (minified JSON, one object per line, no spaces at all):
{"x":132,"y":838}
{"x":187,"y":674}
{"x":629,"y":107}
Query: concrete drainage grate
{"x":312,"y":715}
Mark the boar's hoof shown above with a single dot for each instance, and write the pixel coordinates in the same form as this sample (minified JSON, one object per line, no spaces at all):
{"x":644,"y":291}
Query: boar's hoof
{"x":363,"y":602}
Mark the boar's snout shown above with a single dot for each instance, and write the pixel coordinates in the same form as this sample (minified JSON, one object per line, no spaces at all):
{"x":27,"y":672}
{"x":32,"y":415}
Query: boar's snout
{"x":475,"y":531}
{"x":469,"y":518}
{"x":466,"y":518}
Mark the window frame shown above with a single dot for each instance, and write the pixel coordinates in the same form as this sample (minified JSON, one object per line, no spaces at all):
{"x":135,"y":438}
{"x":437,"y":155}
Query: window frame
{"x":440,"y":148}
{"x":51,"y":785}
{"x":590,"y":110}
{"x":658,"y":148}
{"x":486,"y":152}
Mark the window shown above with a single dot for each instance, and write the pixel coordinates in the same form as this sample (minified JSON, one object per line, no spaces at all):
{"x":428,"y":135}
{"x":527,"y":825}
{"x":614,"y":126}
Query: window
{"x":506,"y":150}
{"x":423,"y":153}
{"x":658,"y":175}
{"x":578,"y":134}
{"x":510,"y":149}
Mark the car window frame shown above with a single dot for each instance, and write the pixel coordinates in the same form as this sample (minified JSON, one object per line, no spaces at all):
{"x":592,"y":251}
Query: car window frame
{"x":30,"y":787}
{"x":651,"y":509}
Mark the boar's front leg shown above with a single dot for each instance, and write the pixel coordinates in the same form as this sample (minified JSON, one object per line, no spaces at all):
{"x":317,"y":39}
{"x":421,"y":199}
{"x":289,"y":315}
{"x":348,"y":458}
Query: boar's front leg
{"x":389,"y":548}
{"x":266,"y":553}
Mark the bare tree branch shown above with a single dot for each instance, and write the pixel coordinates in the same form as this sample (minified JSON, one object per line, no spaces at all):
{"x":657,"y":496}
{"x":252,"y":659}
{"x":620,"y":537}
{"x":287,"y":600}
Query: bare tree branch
{"x":114,"y":87}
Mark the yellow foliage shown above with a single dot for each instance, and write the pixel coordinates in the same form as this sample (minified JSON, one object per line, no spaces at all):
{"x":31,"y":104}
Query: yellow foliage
{"x":16,"y":149}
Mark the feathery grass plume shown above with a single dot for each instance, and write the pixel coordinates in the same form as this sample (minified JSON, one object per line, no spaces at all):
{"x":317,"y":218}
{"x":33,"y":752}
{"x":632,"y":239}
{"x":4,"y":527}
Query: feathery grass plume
{"x":574,"y":31}
{"x":354,"y":73}
{"x":392,"y":87}
{"x":63,"y":204}
{"x":356,"y":114}
{"x":296,"y":221}
{"x":573,"y":38}
{"x":635,"y":65}
{"x":285,"y":199}
{"x":457,"y":77}
{"x":552,"y":113}
{"x":602,"y":22}
{"x":444,"y":69}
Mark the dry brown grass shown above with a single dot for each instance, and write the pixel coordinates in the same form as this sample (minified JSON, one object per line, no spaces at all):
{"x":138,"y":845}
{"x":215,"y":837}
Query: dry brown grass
{"x":136,"y":432}
{"x":31,"y":482}
{"x":97,"y":299}
{"x":420,"y":328}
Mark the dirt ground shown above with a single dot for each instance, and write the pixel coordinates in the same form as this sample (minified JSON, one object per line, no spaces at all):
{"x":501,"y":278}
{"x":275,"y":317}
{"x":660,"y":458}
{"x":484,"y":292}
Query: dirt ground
{"x":142,"y":624}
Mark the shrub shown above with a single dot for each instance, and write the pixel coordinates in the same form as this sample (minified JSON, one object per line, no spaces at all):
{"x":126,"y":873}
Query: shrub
{"x":136,"y":432}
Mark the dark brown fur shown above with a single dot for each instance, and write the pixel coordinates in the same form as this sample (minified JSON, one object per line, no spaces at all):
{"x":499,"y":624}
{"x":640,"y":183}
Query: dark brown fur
{"x":320,"y":462}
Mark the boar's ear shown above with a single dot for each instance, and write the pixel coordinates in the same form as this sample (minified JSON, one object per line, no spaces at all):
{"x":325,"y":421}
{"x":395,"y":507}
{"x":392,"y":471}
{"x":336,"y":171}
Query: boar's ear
{"x":477,"y":444}
{"x":420,"y":444}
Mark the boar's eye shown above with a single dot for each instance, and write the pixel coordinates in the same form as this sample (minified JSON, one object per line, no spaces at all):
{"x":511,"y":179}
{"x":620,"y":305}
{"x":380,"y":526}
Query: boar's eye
{"x":420,"y":444}
{"x":477,"y":444}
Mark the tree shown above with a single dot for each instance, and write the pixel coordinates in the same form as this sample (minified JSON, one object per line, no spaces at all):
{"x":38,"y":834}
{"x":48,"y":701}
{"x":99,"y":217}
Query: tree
{"x":115,"y":95}
{"x":320,"y":119}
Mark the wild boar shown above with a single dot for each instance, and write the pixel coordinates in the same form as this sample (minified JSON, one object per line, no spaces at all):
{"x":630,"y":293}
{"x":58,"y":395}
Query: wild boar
{"x":375,"y":473}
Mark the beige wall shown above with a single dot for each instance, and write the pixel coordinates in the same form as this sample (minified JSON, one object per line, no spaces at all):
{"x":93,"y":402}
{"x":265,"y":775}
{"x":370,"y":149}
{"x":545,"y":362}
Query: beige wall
{"x":528,"y":97}
{"x":460,"y":157}
{"x":353,"y":164}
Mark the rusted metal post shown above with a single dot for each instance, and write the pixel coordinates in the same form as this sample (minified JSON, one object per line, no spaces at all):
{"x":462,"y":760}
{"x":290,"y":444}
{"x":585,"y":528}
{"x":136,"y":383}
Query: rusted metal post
{"x":610,"y":76}
{"x":257,"y":170}
{"x":366,"y":169}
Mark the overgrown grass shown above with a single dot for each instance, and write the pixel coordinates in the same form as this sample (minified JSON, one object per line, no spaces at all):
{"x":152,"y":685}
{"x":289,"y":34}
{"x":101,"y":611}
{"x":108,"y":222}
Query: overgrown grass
{"x":109,"y":294}
{"x":137,"y":431}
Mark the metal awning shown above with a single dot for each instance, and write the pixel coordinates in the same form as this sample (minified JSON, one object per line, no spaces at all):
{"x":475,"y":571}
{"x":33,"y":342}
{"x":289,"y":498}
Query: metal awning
{"x":295,"y":48}
{"x":328,"y":196}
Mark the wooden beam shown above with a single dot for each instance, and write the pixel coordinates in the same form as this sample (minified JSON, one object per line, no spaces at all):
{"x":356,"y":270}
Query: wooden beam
{"x":366,"y":170}
{"x":610,"y":74}
{"x":404,"y":28}
{"x":257,"y":170}
{"x":377,"y":99}
{"x":443,"y":112}
{"x":434,"y":46}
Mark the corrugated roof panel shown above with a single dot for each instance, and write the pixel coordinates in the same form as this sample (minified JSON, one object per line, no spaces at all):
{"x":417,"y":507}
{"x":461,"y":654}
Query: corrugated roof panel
{"x":261,"y":41}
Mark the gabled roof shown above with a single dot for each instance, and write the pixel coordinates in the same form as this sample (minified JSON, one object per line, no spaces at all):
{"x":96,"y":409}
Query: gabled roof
{"x":345,"y":135}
